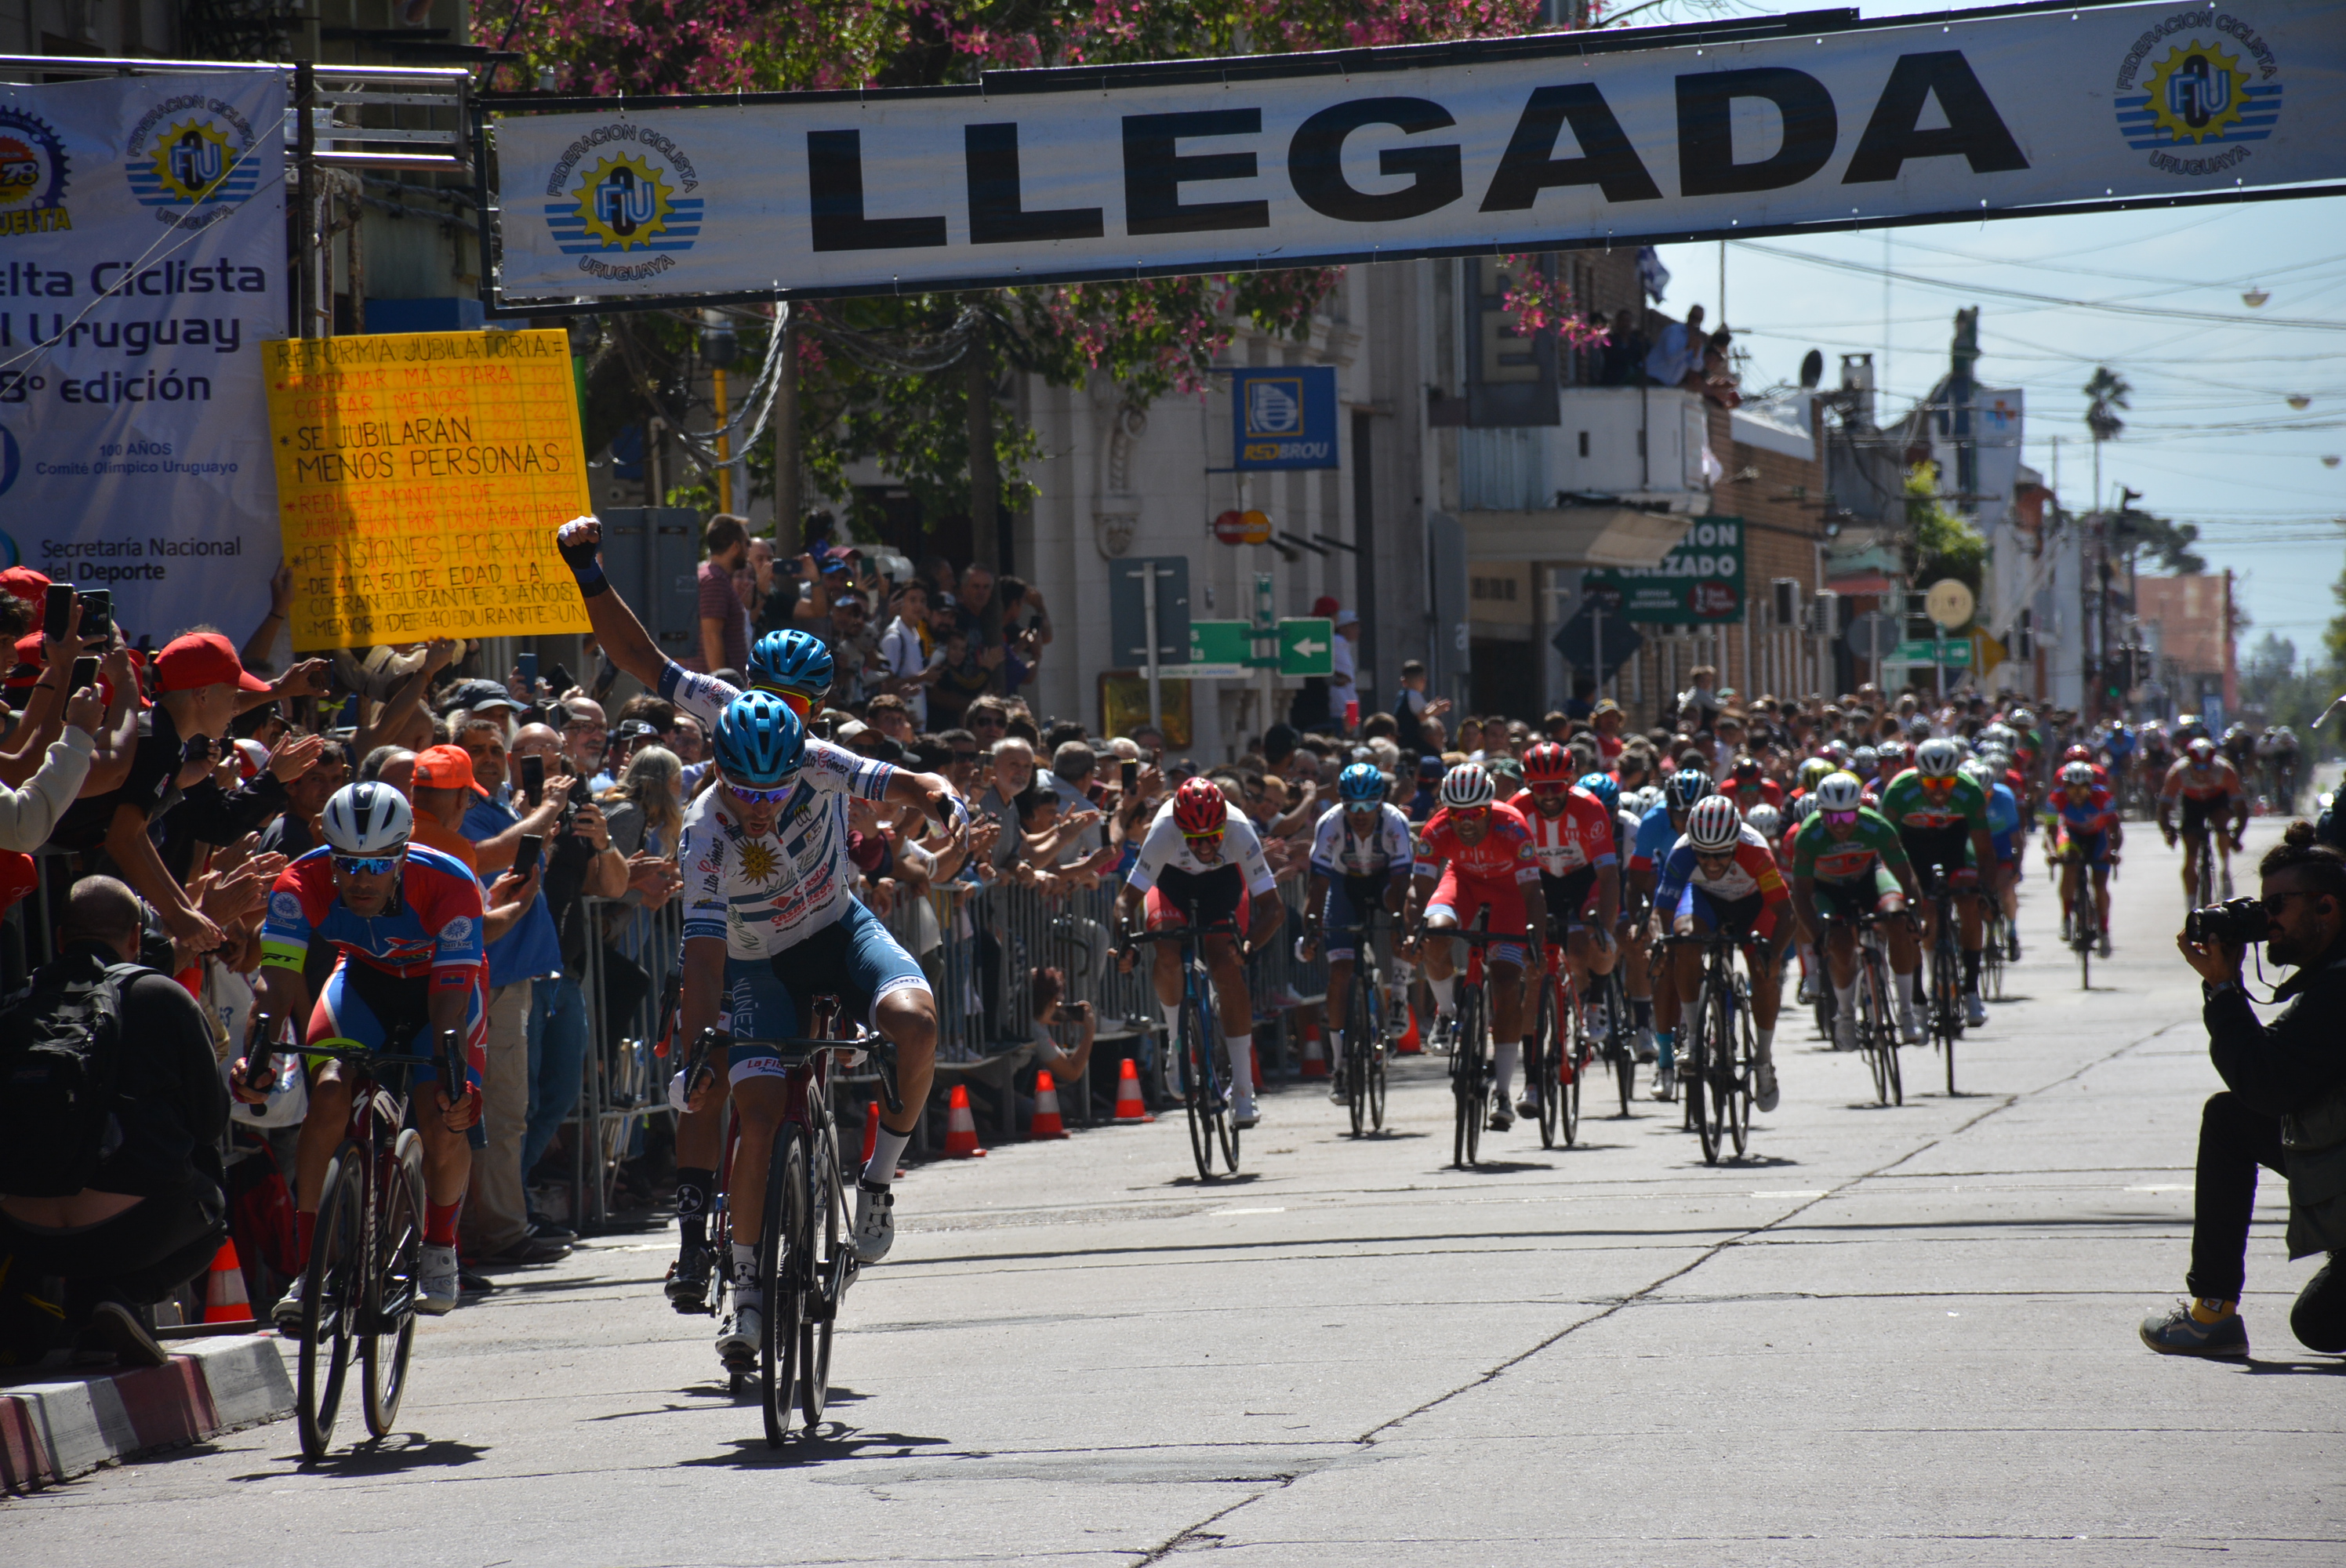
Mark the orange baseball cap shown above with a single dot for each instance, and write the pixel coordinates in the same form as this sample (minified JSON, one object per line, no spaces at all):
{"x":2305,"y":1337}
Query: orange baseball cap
{"x":446,"y":768}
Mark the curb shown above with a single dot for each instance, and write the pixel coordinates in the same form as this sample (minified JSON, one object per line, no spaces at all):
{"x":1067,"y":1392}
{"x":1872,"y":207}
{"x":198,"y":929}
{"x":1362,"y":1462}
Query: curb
{"x":53,"y":1431}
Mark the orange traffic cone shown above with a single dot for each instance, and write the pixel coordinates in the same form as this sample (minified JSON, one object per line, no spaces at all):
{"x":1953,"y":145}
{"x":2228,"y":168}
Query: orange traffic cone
{"x":225,"y":1300}
{"x":1315,"y":1060}
{"x":870,"y":1132}
{"x":1129,"y":1107}
{"x":961,"y":1127}
{"x":1409,"y":1043}
{"x":1046,"y":1123}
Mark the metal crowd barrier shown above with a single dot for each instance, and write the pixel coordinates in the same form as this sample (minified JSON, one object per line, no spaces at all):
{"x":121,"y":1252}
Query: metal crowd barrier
{"x":623,"y":1086}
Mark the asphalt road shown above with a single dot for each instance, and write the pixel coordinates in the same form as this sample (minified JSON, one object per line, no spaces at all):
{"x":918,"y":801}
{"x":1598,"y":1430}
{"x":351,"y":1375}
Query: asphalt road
{"x":1895,"y":1336}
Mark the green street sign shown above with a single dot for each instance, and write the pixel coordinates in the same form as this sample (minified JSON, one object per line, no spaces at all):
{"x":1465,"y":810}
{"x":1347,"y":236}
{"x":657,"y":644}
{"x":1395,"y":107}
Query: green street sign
{"x":1307,"y":647}
{"x":1218,"y":650}
{"x":1954,"y":655}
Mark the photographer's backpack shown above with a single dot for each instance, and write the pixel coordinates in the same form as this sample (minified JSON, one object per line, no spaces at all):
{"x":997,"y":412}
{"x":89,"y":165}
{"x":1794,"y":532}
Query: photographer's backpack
{"x":60,"y":1050}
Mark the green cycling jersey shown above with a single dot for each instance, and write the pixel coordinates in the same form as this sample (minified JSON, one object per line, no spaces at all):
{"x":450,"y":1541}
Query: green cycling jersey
{"x":1912,"y":808}
{"x":1817,"y":855}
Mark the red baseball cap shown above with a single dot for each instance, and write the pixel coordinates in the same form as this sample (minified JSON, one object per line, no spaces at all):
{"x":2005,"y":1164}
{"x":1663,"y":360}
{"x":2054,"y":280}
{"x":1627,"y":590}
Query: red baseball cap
{"x":25,"y":583}
{"x":1323,"y":606}
{"x":446,"y":768}
{"x":202,"y":659}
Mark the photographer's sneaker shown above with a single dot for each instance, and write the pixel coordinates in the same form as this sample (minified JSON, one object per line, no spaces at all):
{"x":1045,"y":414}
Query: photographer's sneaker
{"x":2182,"y":1331}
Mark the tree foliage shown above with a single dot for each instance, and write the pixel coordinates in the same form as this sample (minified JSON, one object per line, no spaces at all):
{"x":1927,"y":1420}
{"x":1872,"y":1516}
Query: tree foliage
{"x":1938,"y":543}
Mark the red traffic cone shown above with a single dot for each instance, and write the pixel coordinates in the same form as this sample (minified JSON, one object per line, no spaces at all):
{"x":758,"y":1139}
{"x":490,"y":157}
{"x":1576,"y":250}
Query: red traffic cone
{"x":225,"y":1300}
{"x":1315,"y":1059}
{"x":1410,"y":1044}
{"x":1129,"y":1107}
{"x":961,"y":1127}
{"x":1046,"y":1123}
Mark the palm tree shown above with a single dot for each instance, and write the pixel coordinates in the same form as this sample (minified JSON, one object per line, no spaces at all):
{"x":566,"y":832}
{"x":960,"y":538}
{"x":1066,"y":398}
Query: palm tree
{"x":2106,"y":393}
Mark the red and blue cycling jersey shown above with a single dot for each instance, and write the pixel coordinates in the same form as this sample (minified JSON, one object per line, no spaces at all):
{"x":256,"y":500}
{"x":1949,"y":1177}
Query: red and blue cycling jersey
{"x":2081,"y":818}
{"x":433,"y":932}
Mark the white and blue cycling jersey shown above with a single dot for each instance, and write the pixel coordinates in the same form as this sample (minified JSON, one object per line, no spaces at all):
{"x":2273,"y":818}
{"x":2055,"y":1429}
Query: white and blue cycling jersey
{"x":1656,"y":837}
{"x":2002,"y":819}
{"x":763,"y":893}
{"x":1385,"y":851}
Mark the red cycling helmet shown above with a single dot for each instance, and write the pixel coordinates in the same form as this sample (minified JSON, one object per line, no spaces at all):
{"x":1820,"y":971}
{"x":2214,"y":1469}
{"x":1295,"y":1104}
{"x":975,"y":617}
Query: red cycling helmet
{"x":1548,"y":763}
{"x":2076,"y":754}
{"x":1199,"y":808}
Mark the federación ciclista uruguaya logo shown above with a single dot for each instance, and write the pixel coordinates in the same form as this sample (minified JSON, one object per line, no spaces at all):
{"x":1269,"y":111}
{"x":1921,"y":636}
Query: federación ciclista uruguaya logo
{"x":2196,"y":89}
{"x":191,"y":160}
{"x":620,"y":199}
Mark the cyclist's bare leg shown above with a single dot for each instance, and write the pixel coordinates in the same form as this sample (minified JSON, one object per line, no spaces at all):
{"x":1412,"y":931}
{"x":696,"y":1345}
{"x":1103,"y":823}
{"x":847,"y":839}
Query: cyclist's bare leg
{"x":321,"y":1133}
{"x":1339,"y":992}
{"x":2102,"y":895}
{"x":907,"y":1016}
{"x":2194,"y":846}
{"x":761,"y":1103}
{"x":1840,"y":955}
{"x":1231,"y":999}
{"x":1588,"y":958}
{"x":447,"y":1157}
{"x":700,"y":1134}
{"x":1506,"y":1019}
{"x":1905,"y":948}
{"x":2069,"y":887}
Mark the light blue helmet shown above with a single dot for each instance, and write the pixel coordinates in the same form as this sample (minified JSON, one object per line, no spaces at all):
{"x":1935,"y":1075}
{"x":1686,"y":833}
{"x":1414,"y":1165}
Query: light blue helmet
{"x":1605,"y":786}
{"x":793,"y":661}
{"x":759,"y":741}
{"x":1361,"y":784}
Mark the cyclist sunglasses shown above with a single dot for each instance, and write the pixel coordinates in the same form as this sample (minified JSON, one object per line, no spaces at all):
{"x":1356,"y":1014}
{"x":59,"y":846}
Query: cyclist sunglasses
{"x":763,"y":797}
{"x":1205,"y":838}
{"x":1838,"y":818}
{"x":365,"y":865}
{"x":797,"y":702}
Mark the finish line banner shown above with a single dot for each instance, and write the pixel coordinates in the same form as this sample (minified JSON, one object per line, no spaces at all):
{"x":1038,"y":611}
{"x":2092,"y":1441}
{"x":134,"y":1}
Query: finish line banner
{"x":1561,"y":141}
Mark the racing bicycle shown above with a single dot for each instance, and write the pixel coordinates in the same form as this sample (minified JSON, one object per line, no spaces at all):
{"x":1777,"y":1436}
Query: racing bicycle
{"x":1365,"y":1043}
{"x":1718,"y":1032}
{"x":1198,"y":1055}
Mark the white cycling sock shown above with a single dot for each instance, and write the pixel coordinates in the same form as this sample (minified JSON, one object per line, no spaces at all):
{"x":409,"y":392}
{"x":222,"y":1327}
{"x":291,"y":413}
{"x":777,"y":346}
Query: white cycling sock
{"x":1845,"y":999}
{"x":1172,"y":1010}
{"x":887,"y":1149}
{"x":1335,"y":1046}
{"x":1242,"y":1049}
{"x":1504,"y":1074}
{"x":1767,"y":1043}
{"x":1445,"y":993}
{"x":747,"y":1291}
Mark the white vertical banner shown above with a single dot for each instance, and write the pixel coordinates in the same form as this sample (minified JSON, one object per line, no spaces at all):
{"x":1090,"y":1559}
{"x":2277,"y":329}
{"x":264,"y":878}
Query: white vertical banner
{"x":142,"y":264}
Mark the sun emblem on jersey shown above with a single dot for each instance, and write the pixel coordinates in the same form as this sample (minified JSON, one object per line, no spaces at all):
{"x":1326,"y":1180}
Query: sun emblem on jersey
{"x":2197,"y":91}
{"x":192,"y":159}
{"x":624,"y":203}
{"x":758,"y":861}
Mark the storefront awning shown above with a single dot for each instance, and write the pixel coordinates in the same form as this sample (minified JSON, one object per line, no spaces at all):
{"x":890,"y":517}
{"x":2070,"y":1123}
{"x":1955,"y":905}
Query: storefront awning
{"x":1575,"y":535}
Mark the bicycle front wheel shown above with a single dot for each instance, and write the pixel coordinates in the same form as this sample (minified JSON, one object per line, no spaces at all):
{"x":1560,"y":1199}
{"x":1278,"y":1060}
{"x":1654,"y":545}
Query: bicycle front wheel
{"x":1226,"y":1115}
{"x":1700,"y":1109}
{"x":1736,"y":1071}
{"x":1360,"y":1043}
{"x":399,"y":1250}
{"x":1466,"y":1073}
{"x":1197,"y":1088}
{"x":782,"y":1250}
{"x":1543,"y":1056}
{"x":332,"y":1296}
{"x":830,"y":1266}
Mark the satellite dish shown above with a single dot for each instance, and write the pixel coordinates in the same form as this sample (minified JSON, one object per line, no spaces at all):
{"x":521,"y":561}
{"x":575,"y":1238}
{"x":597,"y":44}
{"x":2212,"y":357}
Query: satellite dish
{"x":1812,"y":369}
{"x":1949,"y":604}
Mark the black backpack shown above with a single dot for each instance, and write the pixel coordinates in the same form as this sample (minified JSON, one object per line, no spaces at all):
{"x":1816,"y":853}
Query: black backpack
{"x":60,"y":1054}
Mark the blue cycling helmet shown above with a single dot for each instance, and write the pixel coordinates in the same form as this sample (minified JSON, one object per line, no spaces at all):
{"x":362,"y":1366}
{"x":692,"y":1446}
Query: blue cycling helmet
{"x":1605,"y":786}
{"x":791,"y":661}
{"x":759,"y":741}
{"x":1362,"y":784}
{"x":1687,"y":786}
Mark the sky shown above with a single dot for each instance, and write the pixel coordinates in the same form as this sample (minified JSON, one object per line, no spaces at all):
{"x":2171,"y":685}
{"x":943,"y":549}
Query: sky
{"x":2210,"y":439}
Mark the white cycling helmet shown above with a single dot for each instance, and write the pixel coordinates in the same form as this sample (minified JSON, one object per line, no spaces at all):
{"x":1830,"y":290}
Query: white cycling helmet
{"x":2021,"y":719}
{"x":2078,"y":773}
{"x":1766,"y":820}
{"x":368,"y":820}
{"x":1466,"y":786}
{"x":1938,"y":757}
{"x":1713,"y":823}
{"x":1840,"y":793}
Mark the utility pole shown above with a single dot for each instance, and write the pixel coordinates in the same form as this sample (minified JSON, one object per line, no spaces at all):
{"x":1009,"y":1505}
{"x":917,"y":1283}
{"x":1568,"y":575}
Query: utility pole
{"x":786,"y":433}
{"x":984,"y":480}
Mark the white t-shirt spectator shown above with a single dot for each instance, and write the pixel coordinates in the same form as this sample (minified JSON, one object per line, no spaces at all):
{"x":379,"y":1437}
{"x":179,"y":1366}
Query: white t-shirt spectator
{"x":903,"y":648}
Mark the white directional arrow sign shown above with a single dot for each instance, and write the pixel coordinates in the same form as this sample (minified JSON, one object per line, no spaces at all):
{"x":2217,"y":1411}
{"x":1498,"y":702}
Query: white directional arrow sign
{"x":1307,"y":647}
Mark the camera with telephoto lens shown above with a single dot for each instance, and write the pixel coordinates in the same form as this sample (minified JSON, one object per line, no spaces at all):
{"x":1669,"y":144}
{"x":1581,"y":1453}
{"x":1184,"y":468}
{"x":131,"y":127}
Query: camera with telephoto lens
{"x":2238,"y":922}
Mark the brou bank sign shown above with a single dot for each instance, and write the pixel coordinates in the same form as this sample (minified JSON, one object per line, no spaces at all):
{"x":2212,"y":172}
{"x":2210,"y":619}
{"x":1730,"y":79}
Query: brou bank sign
{"x":1558,"y":140}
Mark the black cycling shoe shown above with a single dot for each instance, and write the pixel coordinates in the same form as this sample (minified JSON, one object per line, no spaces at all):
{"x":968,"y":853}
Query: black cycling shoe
{"x":688,"y":1281}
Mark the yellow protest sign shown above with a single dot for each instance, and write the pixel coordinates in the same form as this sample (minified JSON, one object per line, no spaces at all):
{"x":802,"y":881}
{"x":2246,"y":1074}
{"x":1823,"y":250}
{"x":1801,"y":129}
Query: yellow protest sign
{"x":420,"y":478}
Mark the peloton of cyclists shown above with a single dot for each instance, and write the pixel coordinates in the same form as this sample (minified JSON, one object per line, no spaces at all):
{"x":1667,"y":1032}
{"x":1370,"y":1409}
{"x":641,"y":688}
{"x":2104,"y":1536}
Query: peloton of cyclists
{"x":1361,"y":860}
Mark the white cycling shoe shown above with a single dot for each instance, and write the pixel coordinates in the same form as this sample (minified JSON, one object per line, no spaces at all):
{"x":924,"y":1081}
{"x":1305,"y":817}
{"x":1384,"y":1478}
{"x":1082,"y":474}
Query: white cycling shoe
{"x":1974,"y":1011}
{"x":1910,"y":1026}
{"x":1844,"y":1030}
{"x":1764,"y":1093}
{"x":287,"y":1313}
{"x":435,"y":1281}
{"x":875,"y":1221}
{"x":741,"y":1341}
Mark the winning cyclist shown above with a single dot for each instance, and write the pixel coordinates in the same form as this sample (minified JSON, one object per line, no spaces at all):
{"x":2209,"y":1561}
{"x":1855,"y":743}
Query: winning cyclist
{"x":770,"y":923}
{"x":2090,"y":833}
{"x":1198,"y":853}
{"x":406,"y":922}
{"x":1571,"y":832}
{"x":2210,"y":790}
{"x":795,"y":667}
{"x":1476,"y":854}
{"x":1847,"y":862}
{"x":1360,"y":857}
{"x":1722,"y":878}
{"x":1942,"y":819}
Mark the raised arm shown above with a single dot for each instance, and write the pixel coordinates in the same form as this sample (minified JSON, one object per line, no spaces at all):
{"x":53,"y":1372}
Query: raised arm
{"x":622,"y":636}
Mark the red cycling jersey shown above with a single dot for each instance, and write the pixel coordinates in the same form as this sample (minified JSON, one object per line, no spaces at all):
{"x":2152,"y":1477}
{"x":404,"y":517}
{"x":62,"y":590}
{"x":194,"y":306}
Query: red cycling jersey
{"x":2215,"y":782}
{"x":1502,"y":858}
{"x":1578,"y":838}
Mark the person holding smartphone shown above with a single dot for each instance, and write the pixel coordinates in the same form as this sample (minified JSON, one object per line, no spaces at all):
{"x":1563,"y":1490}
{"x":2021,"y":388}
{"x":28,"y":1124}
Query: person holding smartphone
{"x":1065,"y":1064}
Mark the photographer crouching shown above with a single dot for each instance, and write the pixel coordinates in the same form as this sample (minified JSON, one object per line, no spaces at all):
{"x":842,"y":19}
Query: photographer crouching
{"x":2284,"y":1106}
